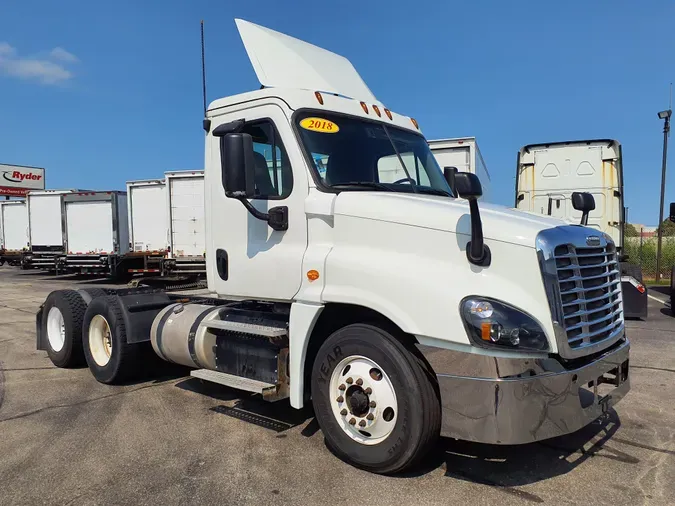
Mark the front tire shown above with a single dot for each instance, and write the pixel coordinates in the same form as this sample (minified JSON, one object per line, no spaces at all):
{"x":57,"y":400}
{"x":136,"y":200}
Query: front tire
{"x":374,"y":399}
{"x":104,"y":338}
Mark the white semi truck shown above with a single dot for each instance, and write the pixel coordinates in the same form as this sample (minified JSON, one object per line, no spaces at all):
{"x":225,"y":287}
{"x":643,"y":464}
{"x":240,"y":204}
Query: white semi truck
{"x":548,"y":174}
{"x":13,"y":231}
{"x":401,"y":310}
{"x":462,"y":154}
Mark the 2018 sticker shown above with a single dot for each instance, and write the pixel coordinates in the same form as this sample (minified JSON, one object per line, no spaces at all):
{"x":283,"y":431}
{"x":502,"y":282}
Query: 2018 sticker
{"x":319,"y":125}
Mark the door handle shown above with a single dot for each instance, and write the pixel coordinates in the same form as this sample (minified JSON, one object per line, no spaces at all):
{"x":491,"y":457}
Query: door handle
{"x":222,"y":264}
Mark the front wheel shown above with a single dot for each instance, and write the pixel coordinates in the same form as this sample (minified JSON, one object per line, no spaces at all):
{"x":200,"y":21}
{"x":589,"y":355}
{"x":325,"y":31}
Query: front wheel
{"x":374,"y":399}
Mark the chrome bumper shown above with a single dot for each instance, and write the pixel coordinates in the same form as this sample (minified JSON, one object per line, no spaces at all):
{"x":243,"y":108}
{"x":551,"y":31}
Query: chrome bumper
{"x":514,"y":401}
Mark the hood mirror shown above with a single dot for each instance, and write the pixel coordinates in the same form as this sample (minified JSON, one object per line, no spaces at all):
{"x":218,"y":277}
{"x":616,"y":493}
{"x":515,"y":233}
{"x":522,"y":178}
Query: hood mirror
{"x":468,"y":187}
{"x":584,"y":202}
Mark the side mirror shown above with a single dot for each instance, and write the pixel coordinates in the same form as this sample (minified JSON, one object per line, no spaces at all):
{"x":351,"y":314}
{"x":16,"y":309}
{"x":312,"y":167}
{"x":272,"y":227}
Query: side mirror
{"x":238,"y":165}
{"x":449,"y":174}
{"x":584,"y":202}
{"x":672,"y":212}
{"x":468,"y":187}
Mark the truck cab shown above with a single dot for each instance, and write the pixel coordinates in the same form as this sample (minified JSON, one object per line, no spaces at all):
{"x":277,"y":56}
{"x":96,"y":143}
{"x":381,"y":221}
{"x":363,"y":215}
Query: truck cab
{"x":401,"y":308}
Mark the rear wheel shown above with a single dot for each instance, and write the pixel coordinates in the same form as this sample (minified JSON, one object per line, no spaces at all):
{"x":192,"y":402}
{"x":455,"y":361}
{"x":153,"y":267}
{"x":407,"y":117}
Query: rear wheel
{"x":374,"y":399}
{"x":104,"y":337}
{"x":63,"y":313}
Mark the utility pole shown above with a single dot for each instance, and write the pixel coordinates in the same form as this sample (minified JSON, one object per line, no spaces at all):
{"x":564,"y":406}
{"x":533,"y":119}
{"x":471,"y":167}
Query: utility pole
{"x":665,"y":116}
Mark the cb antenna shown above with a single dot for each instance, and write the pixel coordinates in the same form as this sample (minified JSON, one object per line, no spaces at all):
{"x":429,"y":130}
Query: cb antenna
{"x":206,"y":123}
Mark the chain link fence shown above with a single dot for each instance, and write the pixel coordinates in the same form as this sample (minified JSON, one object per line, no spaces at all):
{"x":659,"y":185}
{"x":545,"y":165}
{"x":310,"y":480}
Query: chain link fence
{"x":642,"y":251}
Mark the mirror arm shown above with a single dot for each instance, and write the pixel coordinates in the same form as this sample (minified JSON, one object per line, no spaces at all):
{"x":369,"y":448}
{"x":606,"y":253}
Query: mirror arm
{"x":584,"y":218}
{"x":477,"y":251}
{"x":277,"y":218}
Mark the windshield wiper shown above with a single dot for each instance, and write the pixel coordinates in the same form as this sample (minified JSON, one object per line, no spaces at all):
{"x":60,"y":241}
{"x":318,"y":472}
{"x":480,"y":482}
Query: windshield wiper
{"x":363,"y":184}
{"x":434,"y":191}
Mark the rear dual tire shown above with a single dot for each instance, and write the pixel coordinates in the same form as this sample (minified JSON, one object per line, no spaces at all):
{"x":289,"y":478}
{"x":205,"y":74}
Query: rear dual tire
{"x":110,"y":358}
{"x":357,"y":365}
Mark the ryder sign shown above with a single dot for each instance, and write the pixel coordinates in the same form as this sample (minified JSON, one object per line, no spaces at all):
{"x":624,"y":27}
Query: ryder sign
{"x":17,"y":180}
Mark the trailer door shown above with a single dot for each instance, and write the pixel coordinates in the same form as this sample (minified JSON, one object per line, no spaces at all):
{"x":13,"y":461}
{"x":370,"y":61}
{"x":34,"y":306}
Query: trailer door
{"x":188,"y":229}
{"x":89,"y":227}
{"x":46,"y":228}
{"x":15,"y":227}
{"x":148,"y":217}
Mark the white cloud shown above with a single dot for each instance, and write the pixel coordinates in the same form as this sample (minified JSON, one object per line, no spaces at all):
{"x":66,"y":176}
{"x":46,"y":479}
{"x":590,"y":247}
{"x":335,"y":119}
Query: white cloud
{"x":51,"y":69}
{"x":58,"y":53}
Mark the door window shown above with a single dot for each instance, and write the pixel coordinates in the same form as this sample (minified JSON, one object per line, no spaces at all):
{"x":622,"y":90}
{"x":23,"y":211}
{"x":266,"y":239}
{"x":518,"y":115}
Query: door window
{"x":273,"y":174}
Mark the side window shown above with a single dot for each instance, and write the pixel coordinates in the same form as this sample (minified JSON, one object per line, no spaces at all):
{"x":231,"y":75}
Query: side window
{"x":273,"y":174}
{"x":389,"y":169}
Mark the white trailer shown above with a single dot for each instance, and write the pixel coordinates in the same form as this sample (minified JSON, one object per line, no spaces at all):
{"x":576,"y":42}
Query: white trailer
{"x":548,"y":174}
{"x":45,"y":228}
{"x":13,"y":231}
{"x":402,"y":311}
{"x":187,"y":229}
{"x":463,"y":154}
{"x":148,"y":223}
{"x":97,"y":233}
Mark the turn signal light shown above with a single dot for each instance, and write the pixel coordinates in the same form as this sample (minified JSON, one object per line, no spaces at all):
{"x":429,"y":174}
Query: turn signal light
{"x":364,"y":107}
{"x":313,"y":275}
{"x":318,"y":97}
{"x":485,"y":331}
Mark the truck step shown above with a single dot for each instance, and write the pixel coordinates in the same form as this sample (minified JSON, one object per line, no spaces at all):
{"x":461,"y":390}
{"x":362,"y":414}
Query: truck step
{"x":246,"y":328}
{"x":269,"y":391}
{"x":230,"y":380}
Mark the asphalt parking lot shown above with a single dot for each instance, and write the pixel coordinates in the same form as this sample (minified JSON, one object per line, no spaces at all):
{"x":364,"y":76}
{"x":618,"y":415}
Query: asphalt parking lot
{"x":66,"y":439}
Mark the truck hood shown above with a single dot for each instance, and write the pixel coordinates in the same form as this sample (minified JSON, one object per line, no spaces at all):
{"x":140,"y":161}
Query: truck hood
{"x":446,"y":214}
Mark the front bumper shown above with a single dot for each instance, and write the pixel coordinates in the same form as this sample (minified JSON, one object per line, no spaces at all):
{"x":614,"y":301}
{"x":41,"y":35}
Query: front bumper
{"x":515,"y":401}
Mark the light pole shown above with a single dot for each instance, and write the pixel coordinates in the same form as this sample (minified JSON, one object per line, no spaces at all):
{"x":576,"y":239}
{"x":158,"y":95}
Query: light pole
{"x":665,"y":116}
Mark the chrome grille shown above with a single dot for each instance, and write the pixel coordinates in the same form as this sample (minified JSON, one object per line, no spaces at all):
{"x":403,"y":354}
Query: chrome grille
{"x":590,"y":292}
{"x":583,"y":285}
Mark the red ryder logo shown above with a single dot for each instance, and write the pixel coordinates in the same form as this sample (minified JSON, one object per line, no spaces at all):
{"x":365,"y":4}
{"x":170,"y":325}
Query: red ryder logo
{"x":16,"y":176}
{"x":18,"y":180}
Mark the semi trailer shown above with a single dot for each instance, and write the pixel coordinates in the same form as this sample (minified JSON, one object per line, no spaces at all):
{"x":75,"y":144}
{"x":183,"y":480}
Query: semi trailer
{"x":401,"y":310}
{"x":96,"y":239}
{"x":13,"y":231}
{"x":45,"y":229}
{"x":148,"y":223}
{"x":462,"y":154}
{"x":548,"y":174}
{"x":187,"y":233}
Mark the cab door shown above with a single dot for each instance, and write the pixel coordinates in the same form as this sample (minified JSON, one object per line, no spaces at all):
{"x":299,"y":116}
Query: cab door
{"x":246,"y":258}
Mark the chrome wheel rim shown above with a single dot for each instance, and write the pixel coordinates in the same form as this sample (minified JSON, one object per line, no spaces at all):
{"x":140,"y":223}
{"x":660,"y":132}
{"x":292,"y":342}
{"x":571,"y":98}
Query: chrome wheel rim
{"x":100,"y":340}
{"x":363,"y":400}
{"x":56,"y":329}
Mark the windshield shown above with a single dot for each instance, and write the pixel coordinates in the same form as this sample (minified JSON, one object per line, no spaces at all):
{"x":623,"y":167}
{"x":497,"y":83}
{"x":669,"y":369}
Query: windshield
{"x":353,"y":153}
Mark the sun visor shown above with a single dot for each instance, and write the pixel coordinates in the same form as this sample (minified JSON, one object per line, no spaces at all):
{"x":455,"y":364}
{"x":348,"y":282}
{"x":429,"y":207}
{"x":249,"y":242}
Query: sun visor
{"x":281,"y":61}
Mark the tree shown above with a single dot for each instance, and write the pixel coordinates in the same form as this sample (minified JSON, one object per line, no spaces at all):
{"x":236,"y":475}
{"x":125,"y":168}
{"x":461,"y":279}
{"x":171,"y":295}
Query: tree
{"x":668,"y":228}
{"x":631,"y":231}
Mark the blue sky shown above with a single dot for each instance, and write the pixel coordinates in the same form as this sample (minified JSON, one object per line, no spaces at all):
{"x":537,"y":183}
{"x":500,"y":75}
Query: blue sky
{"x":102,"y":92}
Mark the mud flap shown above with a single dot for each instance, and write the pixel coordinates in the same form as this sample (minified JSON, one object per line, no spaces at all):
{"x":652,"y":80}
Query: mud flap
{"x":634,"y":297}
{"x":40,"y":344}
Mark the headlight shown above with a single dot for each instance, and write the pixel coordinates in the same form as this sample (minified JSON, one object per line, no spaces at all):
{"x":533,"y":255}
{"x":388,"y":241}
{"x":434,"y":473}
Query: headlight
{"x":493,"y":324}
